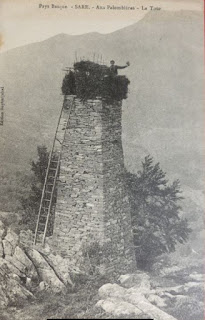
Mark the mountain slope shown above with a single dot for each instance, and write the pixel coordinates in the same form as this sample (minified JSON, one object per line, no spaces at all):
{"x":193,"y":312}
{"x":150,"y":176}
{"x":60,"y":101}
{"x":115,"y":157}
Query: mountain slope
{"x":163,"y":114}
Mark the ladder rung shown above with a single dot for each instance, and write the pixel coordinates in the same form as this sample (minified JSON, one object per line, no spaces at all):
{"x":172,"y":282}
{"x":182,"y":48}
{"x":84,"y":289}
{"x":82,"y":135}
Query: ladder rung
{"x":44,"y":215}
{"x":44,"y":208}
{"x":47,"y":200}
{"x":38,"y":240}
{"x":54,"y":161}
{"x":47,"y":197}
{"x":52,"y":168}
{"x":46,"y":191}
{"x":39,"y":233}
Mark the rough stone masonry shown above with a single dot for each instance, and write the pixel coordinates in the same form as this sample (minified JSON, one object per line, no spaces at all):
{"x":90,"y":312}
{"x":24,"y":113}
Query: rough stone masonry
{"x":92,"y":204}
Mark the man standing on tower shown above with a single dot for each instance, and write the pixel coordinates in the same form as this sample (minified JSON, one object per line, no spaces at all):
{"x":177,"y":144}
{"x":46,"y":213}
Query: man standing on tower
{"x":114,"y":68}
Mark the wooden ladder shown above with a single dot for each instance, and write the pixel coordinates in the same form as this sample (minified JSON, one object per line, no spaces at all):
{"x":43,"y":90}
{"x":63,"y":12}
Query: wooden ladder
{"x":49,"y":187}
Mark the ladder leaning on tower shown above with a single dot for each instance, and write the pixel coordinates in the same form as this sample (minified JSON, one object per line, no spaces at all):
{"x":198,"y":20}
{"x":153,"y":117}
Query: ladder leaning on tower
{"x":48,"y":192}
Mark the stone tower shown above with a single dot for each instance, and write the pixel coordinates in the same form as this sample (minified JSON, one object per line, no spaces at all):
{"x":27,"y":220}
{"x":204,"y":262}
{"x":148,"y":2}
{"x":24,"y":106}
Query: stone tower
{"x":92,"y":204}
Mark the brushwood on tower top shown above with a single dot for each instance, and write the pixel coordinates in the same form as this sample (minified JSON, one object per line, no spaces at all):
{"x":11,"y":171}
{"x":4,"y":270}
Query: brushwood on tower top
{"x":89,"y":80}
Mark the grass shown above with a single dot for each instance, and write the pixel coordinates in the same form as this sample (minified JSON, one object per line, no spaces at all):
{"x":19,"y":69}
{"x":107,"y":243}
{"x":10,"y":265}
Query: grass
{"x":79,"y":304}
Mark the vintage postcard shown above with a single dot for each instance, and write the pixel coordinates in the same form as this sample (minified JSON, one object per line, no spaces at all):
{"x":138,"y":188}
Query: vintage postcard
{"x":102,"y":159}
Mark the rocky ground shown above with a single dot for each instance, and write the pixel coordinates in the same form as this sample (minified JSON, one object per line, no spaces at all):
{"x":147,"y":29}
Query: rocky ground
{"x":36,"y":284}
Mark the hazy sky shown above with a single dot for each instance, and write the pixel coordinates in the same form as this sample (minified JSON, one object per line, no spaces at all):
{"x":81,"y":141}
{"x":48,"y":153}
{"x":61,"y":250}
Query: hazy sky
{"x":23,"y":22}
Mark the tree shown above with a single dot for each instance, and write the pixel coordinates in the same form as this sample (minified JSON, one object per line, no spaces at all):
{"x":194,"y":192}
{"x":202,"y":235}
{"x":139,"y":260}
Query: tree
{"x":31,"y":203}
{"x":156,"y":213}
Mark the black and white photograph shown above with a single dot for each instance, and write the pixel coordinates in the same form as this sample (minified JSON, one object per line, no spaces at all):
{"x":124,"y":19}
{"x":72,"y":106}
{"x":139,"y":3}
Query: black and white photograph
{"x":102,"y":159}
